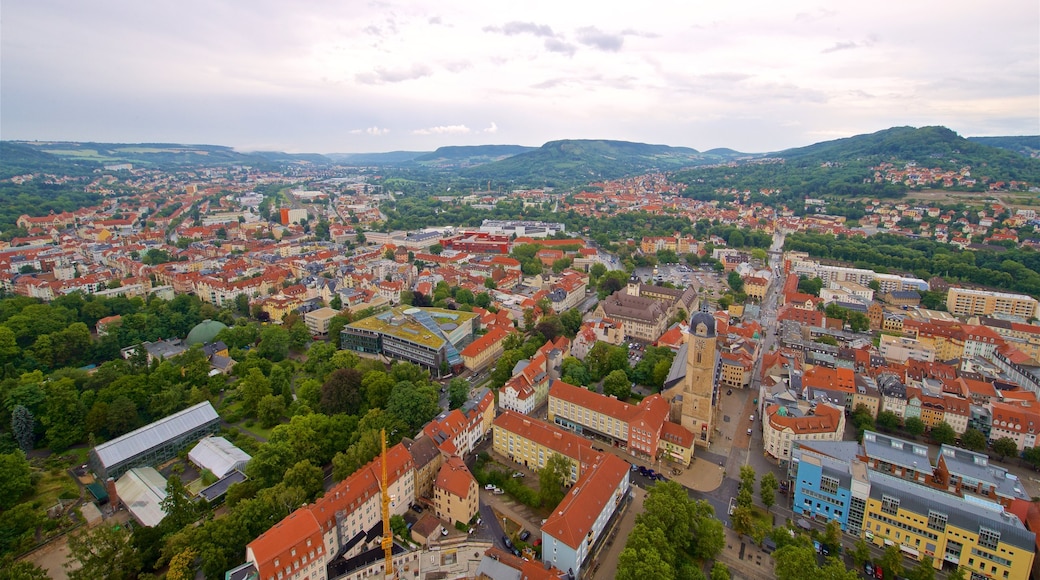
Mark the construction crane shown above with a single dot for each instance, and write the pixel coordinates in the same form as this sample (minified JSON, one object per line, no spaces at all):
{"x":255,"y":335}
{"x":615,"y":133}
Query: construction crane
{"x":388,"y":536}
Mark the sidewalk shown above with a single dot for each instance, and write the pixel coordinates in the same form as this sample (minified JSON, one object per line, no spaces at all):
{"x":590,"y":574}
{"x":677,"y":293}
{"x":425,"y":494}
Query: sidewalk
{"x":745,"y":560}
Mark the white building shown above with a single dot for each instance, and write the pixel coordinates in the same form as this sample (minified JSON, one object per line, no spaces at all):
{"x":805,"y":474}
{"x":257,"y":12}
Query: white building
{"x":219,"y":456}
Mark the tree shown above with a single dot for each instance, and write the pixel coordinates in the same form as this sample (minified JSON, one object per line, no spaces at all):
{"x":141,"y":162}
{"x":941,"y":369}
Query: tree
{"x":15,"y":478}
{"x":179,"y":508}
{"x":924,"y":570}
{"x":342,"y":392}
{"x":973,"y":440}
{"x":719,"y":572}
{"x":742,"y":519}
{"x":23,"y":570}
{"x":1005,"y":447}
{"x":22,"y":427}
{"x":274,"y":343}
{"x":270,"y":410}
{"x":943,"y":434}
{"x":795,"y":562}
{"x":747,"y":478}
{"x":252,"y":388}
{"x":458,"y":392}
{"x":709,"y":538}
{"x":305,"y":476}
{"x":647,"y":554}
{"x":552,"y":478}
{"x":914,"y":426}
{"x":102,"y":552}
{"x":767,"y":487}
{"x":571,"y":320}
{"x":616,"y":384}
{"x":860,"y":552}
{"x":887,"y":421}
{"x":832,"y":535}
{"x":413,"y":405}
{"x":892,"y":561}
{"x":65,"y":415}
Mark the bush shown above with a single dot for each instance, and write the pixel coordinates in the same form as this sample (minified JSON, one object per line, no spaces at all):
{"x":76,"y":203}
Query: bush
{"x":462,"y":526}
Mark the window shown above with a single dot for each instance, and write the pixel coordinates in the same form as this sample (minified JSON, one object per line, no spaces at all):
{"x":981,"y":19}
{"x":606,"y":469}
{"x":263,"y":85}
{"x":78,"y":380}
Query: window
{"x":889,"y":505}
{"x":988,"y":538}
{"x":936,"y":520}
{"x":829,"y":485}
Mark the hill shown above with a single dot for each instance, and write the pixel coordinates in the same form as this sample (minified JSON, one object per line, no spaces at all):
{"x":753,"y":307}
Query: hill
{"x":843,"y":167}
{"x":389,"y":158}
{"x":1028,"y":145}
{"x":469,"y":156}
{"x":162,"y":155}
{"x":577,"y":161}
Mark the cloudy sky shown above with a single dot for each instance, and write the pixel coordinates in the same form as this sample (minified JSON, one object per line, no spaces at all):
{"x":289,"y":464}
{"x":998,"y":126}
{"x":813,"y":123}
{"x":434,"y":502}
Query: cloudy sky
{"x":350,"y":76}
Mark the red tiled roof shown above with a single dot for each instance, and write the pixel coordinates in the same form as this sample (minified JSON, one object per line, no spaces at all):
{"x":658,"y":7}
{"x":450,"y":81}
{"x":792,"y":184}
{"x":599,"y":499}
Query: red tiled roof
{"x":455,"y":478}
{"x":573,"y":519}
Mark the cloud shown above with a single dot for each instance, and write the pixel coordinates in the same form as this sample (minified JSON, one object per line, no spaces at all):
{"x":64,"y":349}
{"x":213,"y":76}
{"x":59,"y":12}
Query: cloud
{"x":458,"y":66}
{"x":374,"y":131}
{"x":515,"y":27}
{"x":434,"y":20}
{"x":492,"y":128}
{"x":382,"y":75}
{"x":596,"y":38}
{"x":849,"y":45}
{"x":443,"y":130}
{"x":560,"y":46}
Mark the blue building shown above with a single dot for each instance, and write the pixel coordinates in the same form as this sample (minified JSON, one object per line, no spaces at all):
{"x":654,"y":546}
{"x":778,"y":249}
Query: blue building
{"x":822,"y":474}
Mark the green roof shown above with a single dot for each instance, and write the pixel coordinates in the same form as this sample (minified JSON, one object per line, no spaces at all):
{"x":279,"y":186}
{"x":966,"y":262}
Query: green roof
{"x":399,"y":324}
{"x":204,"y":332}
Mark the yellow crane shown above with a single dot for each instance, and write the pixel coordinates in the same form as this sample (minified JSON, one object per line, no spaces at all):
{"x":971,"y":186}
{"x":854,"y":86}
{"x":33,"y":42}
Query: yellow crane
{"x":388,"y":536}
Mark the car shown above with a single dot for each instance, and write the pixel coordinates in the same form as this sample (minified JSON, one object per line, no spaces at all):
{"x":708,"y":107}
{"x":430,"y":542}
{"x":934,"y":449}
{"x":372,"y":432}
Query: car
{"x":877,"y":573}
{"x":729,"y":391}
{"x":868,"y":569}
{"x":444,"y":531}
{"x":642,"y":470}
{"x":634,"y":467}
{"x":752,"y":418}
{"x":497,"y":491}
{"x":509,"y":544}
{"x":825,"y":550}
{"x":489,"y":487}
{"x":519,"y":474}
{"x":817,"y":546}
{"x":417,"y":508}
{"x":524,"y":535}
{"x":749,"y":431}
{"x":651,"y":474}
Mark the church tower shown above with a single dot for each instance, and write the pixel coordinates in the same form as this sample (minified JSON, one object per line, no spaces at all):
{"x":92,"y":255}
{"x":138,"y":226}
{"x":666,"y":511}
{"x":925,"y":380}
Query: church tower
{"x":633,"y":286}
{"x":698,"y":392}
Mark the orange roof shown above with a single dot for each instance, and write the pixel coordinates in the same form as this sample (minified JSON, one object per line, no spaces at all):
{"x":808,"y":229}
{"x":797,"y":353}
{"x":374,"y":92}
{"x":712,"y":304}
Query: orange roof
{"x":273,"y":549}
{"x":839,"y":379}
{"x":493,"y":336}
{"x":548,"y":435}
{"x":454,"y":477}
{"x":592,"y":401}
{"x":677,"y":434}
{"x":572,"y":520}
{"x":825,"y":420}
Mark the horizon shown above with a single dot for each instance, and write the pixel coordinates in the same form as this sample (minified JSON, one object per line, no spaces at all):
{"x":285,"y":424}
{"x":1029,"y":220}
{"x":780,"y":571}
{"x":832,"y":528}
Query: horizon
{"x":405,"y":76}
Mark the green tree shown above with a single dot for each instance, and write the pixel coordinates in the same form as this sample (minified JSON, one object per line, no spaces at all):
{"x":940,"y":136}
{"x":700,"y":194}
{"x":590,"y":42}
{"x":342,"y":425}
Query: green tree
{"x":458,"y":393}
{"x":342,"y":392}
{"x":616,"y":384}
{"x":974,"y":440}
{"x":795,"y":562}
{"x":832,"y":535}
{"x":22,"y":427}
{"x":887,"y":421}
{"x":413,"y":405}
{"x":647,"y":554}
{"x":65,"y":415}
{"x":892,"y":561}
{"x":179,"y":508}
{"x":914,"y":426}
{"x":719,"y":572}
{"x":943,"y":434}
{"x":22,"y":570}
{"x":102,"y":552}
{"x":923,"y":570}
{"x":767,"y":487}
{"x":860,"y":552}
{"x":274,"y":343}
{"x":571,"y":321}
{"x":1005,"y":447}
{"x":552,"y":478}
{"x":15,"y":478}
{"x":305,"y":476}
{"x":270,"y":410}
{"x":252,"y":388}
{"x":709,"y":537}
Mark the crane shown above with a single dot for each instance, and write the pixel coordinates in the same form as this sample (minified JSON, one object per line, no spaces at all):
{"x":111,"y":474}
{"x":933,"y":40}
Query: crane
{"x":388,"y":537}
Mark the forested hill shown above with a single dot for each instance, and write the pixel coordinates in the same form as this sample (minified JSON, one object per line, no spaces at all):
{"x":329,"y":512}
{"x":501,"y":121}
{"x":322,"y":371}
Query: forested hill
{"x":1028,"y":145}
{"x":843,"y":167}
{"x":467,"y":156}
{"x":158,"y":155}
{"x":577,"y":161}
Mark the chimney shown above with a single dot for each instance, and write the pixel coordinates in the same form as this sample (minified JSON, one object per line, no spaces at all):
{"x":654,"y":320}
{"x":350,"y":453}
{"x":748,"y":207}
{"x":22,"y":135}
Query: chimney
{"x":113,"y":496}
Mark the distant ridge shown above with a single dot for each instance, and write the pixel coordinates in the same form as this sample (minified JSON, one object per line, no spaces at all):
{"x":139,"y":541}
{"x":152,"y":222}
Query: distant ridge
{"x":467,"y":156}
{"x":388,"y":158}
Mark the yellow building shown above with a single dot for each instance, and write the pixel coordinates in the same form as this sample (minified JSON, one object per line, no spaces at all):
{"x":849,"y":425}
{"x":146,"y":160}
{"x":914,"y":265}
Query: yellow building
{"x":455,"y":493}
{"x":755,"y":287}
{"x":923,"y":521}
{"x":968,"y":302}
{"x":531,"y":443}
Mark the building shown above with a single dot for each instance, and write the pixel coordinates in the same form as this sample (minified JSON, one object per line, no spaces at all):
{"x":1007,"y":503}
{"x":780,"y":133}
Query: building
{"x":694,"y":398}
{"x":970,"y":302}
{"x":154,"y":443}
{"x":485,"y":350}
{"x":570,"y":533}
{"x":430,"y":337}
{"x":455,"y":493}
{"x":922,"y":521}
{"x":292,"y":216}
{"x":785,"y":423}
{"x":899,"y":349}
{"x":142,"y":490}
{"x":635,"y":428}
{"x":530,"y":442}
{"x":318,"y":321}
{"x":219,"y":456}
{"x":822,"y":472}
{"x":458,"y":431}
{"x":428,"y":460}
{"x":645,"y":310}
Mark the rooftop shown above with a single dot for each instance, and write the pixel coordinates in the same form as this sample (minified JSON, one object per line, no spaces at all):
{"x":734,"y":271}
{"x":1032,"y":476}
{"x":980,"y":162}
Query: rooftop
{"x":401,"y":323}
{"x":154,"y":434}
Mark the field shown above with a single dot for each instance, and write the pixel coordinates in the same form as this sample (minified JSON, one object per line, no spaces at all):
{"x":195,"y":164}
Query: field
{"x":90,"y":154}
{"x":1018,"y":199}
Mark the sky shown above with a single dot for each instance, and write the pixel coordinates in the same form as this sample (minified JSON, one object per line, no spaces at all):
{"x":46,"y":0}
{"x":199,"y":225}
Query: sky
{"x":352,"y":76}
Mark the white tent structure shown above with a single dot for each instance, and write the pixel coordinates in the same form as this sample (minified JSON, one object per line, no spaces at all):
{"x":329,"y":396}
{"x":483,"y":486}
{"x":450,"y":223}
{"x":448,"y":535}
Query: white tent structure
{"x":219,"y":456}
{"x":142,"y":490}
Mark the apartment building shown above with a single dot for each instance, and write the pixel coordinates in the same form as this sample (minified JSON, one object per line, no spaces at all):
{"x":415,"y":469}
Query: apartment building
{"x":637,"y":428}
{"x":455,"y":492}
{"x":970,"y":302}
{"x":784,"y":424}
{"x":530,"y":442}
{"x":485,"y":350}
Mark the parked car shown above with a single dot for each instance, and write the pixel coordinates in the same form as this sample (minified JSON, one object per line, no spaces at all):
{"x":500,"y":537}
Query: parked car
{"x":877,"y":572}
{"x":489,"y":487}
{"x":634,"y":467}
{"x":417,"y":508}
{"x":642,"y":470}
{"x":509,"y":544}
{"x":868,"y":569}
{"x":749,"y":431}
{"x":524,"y":535}
{"x":497,"y":491}
{"x":518,"y":474}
